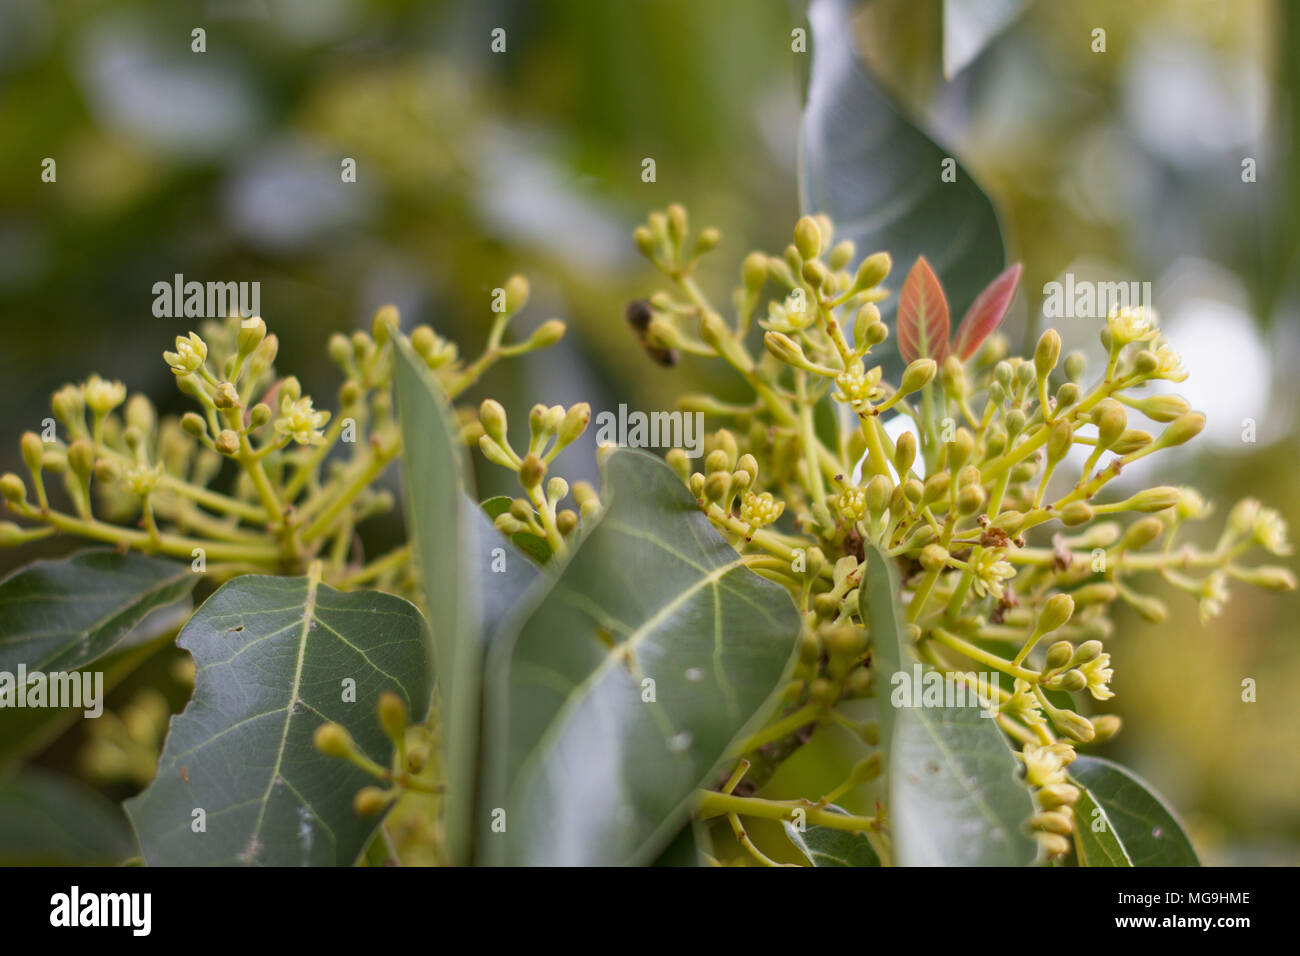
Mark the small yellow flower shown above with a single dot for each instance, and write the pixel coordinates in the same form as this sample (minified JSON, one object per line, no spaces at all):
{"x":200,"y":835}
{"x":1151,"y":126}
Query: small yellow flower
{"x":140,"y":480}
{"x":1269,"y":529}
{"x":1045,"y":765}
{"x":301,"y":422}
{"x":1214,"y":594}
{"x":1191,"y":505}
{"x":1131,"y":324}
{"x":189,"y":356}
{"x":101,"y":396}
{"x":1169,"y":365}
{"x":760,"y":510}
{"x":991,"y":569}
{"x":1098,"y":672}
{"x":1023,"y":704}
{"x":852,"y":504}
{"x":855,"y":387}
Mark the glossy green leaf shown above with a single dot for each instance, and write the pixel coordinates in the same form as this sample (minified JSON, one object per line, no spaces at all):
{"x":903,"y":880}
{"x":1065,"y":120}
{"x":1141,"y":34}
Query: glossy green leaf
{"x":970,"y":25}
{"x":276,"y":658}
{"x":583,"y":767}
{"x":47,"y":819}
{"x":955,"y":796}
{"x":1134,"y":827}
{"x":442,"y":531}
{"x":66,"y":614}
{"x":878,"y":176}
{"x":827,"y":846}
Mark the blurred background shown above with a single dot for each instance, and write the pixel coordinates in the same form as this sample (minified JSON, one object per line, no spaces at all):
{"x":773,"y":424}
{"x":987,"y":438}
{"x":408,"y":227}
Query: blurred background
{"x":471,"y":165}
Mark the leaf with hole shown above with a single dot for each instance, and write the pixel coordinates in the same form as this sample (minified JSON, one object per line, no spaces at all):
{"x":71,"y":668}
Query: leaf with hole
{"x":272,"y":656}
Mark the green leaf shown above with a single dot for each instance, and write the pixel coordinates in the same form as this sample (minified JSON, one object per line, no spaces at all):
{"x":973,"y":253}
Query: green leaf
{"x":442,"y":532}
{"x":68,"y":613}
{"x":878,"y":176}
{"x":585,"y":769}
{"x":970,"y":25}
{"x":535,"y":547}
{"x":47,"y":819}
{"x":827,"y":846}
{"x":506,"y":572}
{"x":955,"y":796}
{"x":272,"y":656}
{"x":1138,"y":828}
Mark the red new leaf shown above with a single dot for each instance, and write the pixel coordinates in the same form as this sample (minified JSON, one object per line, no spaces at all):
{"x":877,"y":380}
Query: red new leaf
{"x":922,"y":315}
{"x":985,"y":314}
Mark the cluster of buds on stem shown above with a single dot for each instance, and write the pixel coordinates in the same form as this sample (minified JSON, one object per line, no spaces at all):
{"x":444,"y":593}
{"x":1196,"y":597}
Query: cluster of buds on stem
{"x":304,"y":477}
{"x":990,"y":497}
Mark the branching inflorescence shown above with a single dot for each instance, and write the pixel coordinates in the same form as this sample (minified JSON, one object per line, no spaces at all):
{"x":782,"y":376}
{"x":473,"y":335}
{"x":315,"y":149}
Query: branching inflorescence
{"x":1011,"y":554}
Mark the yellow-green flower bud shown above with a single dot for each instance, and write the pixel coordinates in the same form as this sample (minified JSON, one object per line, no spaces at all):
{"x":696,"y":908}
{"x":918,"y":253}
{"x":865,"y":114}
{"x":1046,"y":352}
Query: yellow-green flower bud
{"x":69,"y":407}
{"x":1270,"y":577}
{"x":754,"y":271}
{"x":1055,"y":614}
{"x":1058,"y":656}
{"x":1057,"y":795}
{"x":1072,"y":681}
{"x":936,"y":488}
{"x":574,"y":424}
{"x":1105,"y":726}
{"x":1088,"y":650}
{"x":546,"y":335}
{"x":1075,"y":726}
{"x":678,"y":223}
{"x":259,"y":415}
{"x":841,"y":255}
{"x":556,"y":489}
{"x":13,"y":489}
{"x":1149,"y":608}
{"x":565,"y":521}
{"x":139,"y":412}
{"x":933,"y":557}
{"x":785,"y":349}
{"x":904,"y":453}
{"x":1111,"y":421}
{"x":227,"y":442}
{"x":1059,"y":441}
{"x":194,"y":425}
{"x":1154,"y":499}
{"x":251,"y":333}
{"x":531,"y":472}
{"x":1097,"y":593}
{"x":1140,"y":533}
{"x":333,"y":740}
{"x":493,"y":417}
{"x":1132,"y":440}
{"x":385,"y":324}
{"x":879,"y":492}
{"x":1075,"y":365}
{"x":815,"y":274}
{"x":717,"y":487}
{"x":917,"y":375}
{"x":370,"y":800}
{"x":1047,"y":353}
{"x":1181,"y":429}
{"x":226,"y":396}
{"x":1011,"y":521}
{"x":1067,"y":395}
{"x":81,"y":459}
{"x":33,"y":451}
{"x":1053,"y":822}
{"x":807,"y":238}
{"x":645,"y":241}
{"x":516,"y":294}
{"x":1162,"y":408}
{"x":392,"y":715}
{"x":872,"y":271}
